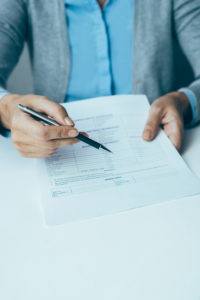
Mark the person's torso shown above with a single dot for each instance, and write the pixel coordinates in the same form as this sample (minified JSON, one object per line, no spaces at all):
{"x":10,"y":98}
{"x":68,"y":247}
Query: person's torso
{"x":153,"y":47}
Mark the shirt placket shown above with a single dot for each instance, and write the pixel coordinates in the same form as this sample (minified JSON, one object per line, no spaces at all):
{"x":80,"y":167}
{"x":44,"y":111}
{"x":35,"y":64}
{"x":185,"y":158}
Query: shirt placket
{"x":101,"y":41}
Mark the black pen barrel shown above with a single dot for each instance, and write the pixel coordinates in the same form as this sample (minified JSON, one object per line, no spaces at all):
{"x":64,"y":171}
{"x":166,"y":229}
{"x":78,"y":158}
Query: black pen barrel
{"x":88,"y":141}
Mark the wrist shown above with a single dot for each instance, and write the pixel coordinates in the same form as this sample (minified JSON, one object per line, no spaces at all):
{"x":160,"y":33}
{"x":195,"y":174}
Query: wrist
{"x":7,"y":106}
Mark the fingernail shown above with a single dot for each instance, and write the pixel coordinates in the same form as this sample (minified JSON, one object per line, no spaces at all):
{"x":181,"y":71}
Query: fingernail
{"x":147,"y":134}
{"x":73,"y":133}
{"x":68,"y":121}
{"x":85,"y":134}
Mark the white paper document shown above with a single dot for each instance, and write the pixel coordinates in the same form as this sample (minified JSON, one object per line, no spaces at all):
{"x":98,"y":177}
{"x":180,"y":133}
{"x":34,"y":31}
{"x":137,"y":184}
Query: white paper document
{"x":80,"y":182}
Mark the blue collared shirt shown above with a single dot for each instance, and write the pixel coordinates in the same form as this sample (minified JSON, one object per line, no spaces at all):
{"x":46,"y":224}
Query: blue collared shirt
{"x":101,"y":48}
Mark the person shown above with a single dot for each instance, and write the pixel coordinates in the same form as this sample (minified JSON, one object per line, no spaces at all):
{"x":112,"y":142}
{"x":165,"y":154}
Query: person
{"x":81,"y":49}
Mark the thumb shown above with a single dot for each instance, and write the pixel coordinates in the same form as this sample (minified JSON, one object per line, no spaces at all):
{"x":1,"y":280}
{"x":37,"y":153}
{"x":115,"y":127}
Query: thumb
{"x":152,"y":125}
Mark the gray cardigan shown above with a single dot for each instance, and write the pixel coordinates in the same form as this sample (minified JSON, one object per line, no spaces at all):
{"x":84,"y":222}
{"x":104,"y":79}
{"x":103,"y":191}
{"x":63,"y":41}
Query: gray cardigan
{"x":166,"y":54}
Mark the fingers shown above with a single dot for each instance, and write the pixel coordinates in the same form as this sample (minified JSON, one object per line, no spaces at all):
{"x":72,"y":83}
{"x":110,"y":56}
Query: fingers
{"x":34,"y":154}
{"x":153,"y":123}
{"x":165,"y":111}
{"x":24,"y":142}
{"x":51,"y":108}
{"x":32,"y":139}
{"x":30,"y":136}
{"x":27,"y":125}
{"x":42,"y":149}
{"x":34,"y":151}
{"x":54,"y":132}
{"x":174,"y":130}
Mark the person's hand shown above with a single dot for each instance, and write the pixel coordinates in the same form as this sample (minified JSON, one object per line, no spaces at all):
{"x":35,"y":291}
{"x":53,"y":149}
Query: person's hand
{"x":30,"y":137}
{"x":169,"y":111}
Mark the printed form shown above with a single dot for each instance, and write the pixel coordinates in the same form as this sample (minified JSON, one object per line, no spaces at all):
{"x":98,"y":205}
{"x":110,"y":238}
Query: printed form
{"x":80,"y":182}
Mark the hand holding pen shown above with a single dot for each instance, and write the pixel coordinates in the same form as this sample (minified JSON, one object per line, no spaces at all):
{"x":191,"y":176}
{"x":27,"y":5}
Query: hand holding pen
{"x":46,"y":120}
{"x":30,"y":137}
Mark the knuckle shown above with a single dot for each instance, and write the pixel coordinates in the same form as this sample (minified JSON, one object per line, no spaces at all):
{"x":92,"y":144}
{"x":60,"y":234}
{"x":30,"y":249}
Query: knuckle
{"x":63,"y":132}
{"x":59,"y":110}
{"x":17,"y":145}
{"x":59,"y":132}
{"x":52,"y":146}
{"x":157,"y":105}
{"x":156,"y":109}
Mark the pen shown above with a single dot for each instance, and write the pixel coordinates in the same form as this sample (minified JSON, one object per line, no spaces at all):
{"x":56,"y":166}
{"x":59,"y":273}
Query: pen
{"x":50,"y":121}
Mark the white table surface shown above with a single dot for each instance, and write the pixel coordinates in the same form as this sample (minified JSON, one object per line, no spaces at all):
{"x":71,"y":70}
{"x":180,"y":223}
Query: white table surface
{"x":147,"y":253}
